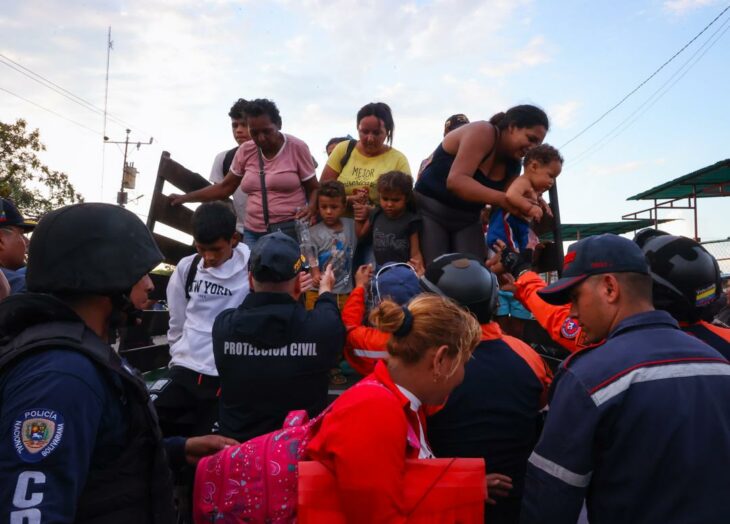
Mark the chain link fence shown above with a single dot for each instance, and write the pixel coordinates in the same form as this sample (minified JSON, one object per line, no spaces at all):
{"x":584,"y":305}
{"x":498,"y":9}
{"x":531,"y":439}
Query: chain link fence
{"x":720,"y":249}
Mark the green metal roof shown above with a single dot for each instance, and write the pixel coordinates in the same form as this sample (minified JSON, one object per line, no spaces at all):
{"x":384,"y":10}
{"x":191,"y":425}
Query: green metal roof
{"x":576,"y":231}
{"x":710,"y":181}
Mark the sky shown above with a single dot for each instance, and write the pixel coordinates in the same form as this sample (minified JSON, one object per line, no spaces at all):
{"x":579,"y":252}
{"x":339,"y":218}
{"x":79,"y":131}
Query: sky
{"x":178,"y":65}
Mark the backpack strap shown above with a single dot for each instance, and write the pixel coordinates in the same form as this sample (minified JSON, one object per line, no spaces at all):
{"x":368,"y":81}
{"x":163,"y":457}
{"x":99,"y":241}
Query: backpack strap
{"x":346,"y":158}
{"x":190,"y":278}
{"x":228,"y":160}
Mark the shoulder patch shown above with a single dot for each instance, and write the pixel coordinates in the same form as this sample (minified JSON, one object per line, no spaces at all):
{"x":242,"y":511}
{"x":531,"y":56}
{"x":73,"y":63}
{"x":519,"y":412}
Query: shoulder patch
{"x":37,"y":433}
{"x":570,"y":328}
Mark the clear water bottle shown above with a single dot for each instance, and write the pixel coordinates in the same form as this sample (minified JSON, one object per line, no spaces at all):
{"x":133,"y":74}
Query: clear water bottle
{"x":309,"y":251}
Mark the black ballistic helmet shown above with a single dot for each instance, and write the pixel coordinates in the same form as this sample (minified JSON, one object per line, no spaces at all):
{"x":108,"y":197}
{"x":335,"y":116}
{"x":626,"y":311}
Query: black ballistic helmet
{"x":687,"y":279}
{"x":464,"y":279}
{"x":94,"y":248}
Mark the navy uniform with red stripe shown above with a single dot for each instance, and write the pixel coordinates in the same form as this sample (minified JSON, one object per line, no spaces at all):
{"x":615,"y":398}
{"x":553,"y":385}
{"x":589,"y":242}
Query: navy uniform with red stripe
{"x":639,"y":425}
{"x":495,"y":413}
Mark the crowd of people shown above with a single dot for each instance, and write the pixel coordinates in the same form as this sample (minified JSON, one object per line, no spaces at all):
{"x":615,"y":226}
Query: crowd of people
{"x":368,"y":272}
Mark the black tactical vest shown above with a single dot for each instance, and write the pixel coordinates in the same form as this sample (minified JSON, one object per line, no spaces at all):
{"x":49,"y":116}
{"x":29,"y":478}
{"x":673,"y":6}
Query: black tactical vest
{"x":137,"y":487}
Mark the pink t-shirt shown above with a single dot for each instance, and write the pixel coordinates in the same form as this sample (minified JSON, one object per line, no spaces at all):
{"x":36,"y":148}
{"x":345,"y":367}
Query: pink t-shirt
{"x":284,"y":174}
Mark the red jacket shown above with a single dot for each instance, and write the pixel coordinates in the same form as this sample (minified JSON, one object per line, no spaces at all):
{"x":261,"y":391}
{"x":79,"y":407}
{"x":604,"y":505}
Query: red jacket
{"x":556,"y":320}
{"x":365,"y":439}
{"x":564,"y":330}
{"x":364,"y":346}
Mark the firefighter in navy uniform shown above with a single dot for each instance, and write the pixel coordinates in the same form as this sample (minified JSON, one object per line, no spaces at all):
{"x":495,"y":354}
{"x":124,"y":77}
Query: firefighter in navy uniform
{"x":686,"y":283}
{"x":495,"y":412}
{"x":638,"y":423}
{"x":80,"y":441}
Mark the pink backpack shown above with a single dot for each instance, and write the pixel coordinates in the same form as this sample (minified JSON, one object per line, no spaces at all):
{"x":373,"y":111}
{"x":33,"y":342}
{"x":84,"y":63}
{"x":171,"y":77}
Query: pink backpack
{"x":255,"y":481}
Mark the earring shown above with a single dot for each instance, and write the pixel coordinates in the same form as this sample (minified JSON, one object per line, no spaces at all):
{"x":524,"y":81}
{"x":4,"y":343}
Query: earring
{"x":436,"y":377}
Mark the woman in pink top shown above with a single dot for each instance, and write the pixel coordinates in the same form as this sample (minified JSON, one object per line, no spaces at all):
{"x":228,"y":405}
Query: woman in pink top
{"x":288,"y":170}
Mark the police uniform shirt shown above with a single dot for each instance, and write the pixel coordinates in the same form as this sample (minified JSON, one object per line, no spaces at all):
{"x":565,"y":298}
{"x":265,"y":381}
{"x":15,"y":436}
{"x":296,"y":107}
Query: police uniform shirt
{"x":57,"y":417}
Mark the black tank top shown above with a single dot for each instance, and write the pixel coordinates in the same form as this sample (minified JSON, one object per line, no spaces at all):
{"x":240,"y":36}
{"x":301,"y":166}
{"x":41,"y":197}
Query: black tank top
{"x":432,"y":182}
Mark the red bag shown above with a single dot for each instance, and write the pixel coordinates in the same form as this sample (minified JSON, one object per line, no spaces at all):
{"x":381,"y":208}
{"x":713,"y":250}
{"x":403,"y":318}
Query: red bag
{"x":439,"y":491}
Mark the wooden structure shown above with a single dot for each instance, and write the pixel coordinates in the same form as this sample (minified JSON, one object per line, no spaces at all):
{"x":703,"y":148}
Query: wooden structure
{"x":178,"y":217}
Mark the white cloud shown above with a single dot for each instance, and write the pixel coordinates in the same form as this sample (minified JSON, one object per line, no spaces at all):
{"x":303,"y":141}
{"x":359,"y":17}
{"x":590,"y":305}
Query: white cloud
{"x":563,"y":115}
{"x":536,"y":52}
{"x":682,"y":6}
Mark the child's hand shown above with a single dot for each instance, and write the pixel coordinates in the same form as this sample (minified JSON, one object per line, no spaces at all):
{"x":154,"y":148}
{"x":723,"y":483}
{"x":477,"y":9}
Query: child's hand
{"x":363,"y":274}
{"x":417,"y":263}
{"x":494,"y":264}
{"x":327,"y":280}
{"x":361,"y":212}
{"x":535,"y":213}
{"x":545,"y":207}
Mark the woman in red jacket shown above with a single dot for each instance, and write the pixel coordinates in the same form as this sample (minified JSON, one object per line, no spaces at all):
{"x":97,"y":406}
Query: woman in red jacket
{"x":375,"y":426}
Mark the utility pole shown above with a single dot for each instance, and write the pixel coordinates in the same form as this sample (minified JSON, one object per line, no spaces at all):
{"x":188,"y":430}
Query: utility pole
{"x":129,"y":172}
{"x":109,"y":47}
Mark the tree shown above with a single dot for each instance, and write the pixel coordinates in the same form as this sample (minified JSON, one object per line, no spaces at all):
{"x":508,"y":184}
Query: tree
{"x":32,"y":186}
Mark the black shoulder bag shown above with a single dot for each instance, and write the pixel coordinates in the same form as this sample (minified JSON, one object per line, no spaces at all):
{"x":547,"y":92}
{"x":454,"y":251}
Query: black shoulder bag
{"x":289,"y":226}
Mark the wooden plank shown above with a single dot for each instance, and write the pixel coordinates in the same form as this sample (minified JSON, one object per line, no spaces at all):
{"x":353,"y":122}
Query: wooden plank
{"x":172,"y":250}
{"x":179,"y":176}
{"x":177,"y":217}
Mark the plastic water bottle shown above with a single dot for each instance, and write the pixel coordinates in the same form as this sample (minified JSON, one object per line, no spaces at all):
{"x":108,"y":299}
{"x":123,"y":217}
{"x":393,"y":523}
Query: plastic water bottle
{"x":309,"y":251}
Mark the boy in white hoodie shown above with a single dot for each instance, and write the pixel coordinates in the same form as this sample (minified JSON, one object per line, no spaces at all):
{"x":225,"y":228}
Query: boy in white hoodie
{"x":202,"y":286}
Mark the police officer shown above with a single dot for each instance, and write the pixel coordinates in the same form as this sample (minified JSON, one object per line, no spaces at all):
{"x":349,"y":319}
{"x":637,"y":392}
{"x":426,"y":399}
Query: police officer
{"x":495,"y":412}
{"x":272,"y":355}
{"x":80,"y":442}
{"x":686,"y":283}
{"x":647,"y":405}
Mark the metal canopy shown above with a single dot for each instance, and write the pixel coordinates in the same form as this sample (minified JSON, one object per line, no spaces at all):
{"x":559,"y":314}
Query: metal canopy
{"x":577,"y":231}
{"x":708,"y":182}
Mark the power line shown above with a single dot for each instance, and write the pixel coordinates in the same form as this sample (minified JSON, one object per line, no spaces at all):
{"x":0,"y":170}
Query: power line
{"x":12,"y":64}
{"x":647,"y":79}
{"x":655,"y":96}
{"x":51,"y":111}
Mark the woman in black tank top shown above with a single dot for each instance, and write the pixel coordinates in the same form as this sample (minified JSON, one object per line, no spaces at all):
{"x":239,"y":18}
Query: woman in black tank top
{"x":470,"y":169}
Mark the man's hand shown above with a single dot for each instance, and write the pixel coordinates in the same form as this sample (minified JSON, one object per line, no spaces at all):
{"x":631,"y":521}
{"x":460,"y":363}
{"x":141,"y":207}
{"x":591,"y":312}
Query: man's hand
{"x":327,"y":281}
{"x":199,"y":447}
{"x":497,"y":486}
{"x":306,"y":282}
{"x":363,"y":274}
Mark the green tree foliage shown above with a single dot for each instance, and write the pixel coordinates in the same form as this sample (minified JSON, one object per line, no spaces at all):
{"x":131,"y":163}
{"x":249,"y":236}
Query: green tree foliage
{"x":30,"y":184}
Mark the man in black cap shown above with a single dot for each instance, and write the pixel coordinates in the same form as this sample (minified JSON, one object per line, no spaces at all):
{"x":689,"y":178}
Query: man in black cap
{"x":638,"y":424}
{"x":273,"y":356}
{"x":13,"y":245}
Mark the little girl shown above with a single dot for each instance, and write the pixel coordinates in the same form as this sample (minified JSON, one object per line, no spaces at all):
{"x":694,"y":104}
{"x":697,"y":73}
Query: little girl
{"x":394,"y":227}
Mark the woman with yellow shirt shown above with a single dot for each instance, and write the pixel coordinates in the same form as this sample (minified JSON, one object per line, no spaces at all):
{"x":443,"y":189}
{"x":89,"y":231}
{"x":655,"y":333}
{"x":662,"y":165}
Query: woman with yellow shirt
{"x":371,"y":156}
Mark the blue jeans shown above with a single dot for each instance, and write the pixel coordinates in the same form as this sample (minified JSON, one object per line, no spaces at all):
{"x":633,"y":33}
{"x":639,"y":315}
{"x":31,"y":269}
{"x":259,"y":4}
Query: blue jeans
{"x":251,"y":237}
